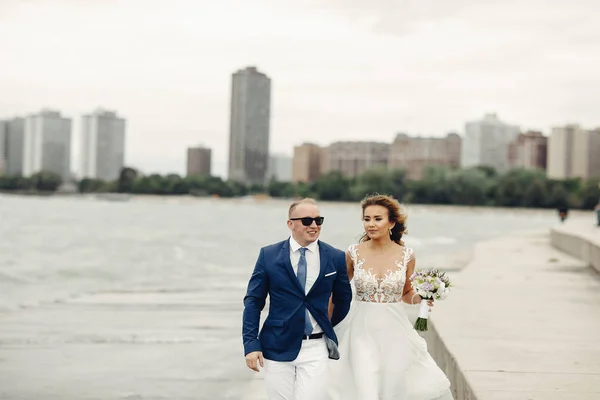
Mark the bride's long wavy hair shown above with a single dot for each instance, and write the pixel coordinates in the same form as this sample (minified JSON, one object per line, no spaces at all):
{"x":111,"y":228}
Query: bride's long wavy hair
{"x":396,"y":213}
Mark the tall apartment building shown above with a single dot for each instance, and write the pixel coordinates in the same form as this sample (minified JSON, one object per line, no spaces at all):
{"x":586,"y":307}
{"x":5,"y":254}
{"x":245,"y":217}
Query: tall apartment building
{"x":573,"y":152}
{"x":415,"y":154}
{"x":593,"y":153}
{"x":14,"y":145}
{"x":307,"y":162}
{"x":249,"y":126}
{"x":354,"y":158}
{"x":280,"y":168}
{"x":528,"y":151}
{"x":2,"y":147}
{"x":102,"y":145}
{"x":486,"y":143}
{"x":199,"y":161}
{"x":46,"y":144}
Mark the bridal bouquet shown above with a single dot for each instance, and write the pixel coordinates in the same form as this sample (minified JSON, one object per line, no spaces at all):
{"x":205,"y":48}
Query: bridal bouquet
{"x":430,"y":284}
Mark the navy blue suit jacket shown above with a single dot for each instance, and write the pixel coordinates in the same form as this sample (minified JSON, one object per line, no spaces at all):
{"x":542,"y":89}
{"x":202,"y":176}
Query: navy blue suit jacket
{"x":280,"y":338}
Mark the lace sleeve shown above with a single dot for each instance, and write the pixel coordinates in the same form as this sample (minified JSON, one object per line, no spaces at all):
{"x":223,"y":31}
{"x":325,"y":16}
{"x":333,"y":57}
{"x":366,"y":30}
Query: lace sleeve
{"x":352,"y":252}
{"x":408,"y":255}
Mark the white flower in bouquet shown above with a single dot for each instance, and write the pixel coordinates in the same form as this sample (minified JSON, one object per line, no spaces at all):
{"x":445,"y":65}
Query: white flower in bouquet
{"x":430,"y":284}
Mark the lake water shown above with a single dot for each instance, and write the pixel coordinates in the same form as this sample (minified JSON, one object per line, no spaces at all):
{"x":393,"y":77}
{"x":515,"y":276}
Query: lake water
{"x":54,"y":248}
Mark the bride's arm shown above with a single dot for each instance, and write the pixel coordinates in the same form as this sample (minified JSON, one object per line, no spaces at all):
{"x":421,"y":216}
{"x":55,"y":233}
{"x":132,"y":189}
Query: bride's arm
{"x":408,"y":294}
{"x":350,"y":268}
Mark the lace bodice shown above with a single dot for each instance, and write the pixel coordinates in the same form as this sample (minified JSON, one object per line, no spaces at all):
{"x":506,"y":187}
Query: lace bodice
{"x":374,"y":289}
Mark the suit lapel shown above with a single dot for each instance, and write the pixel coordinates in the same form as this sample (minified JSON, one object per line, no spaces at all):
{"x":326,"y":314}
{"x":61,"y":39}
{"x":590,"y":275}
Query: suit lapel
{"x":324,"y":261}
{"x":284,"y":259}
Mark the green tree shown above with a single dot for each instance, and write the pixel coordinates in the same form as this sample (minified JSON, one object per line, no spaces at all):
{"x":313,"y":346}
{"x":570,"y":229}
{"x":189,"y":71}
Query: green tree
{"x":558,"y":197}
{"x":179,"y":185}
{"x":536,"y":195}
{"x":490,"y":172}
{"x":375,"y":180}
{"x":280,"y":189}
{"x":214,"y":185}
{"x":572,"y":185}
{"x":508,"y":193}
{"x":196,"y":185}
{"x":512,"y":187}
{"x":257,"y":189}
{"x":332,"y":186}
{"x":303,"y":189}
{"x":589,"y":195}
{"x":16,"y":183}
{"x":126,"y":180}
{"x":151,"y":184}
{"x":88,"y":185}
{"x":171,"y":184}
{"x":237,"y":188}
{"x":467,"y":186}
{"x":434,"y":186}
{"x":46,"y":181}
{"x":417,"y":192}
{"x":399,"y":184}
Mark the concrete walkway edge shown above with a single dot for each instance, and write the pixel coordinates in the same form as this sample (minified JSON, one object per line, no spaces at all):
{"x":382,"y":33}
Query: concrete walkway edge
{"x":579,"y":239}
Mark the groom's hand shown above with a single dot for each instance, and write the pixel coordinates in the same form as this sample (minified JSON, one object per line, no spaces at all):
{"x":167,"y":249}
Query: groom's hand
{"x":253,"y":359}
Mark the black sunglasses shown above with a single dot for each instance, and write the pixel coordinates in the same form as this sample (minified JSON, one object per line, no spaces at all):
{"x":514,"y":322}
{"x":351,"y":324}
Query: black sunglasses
{"x":307,"y":221}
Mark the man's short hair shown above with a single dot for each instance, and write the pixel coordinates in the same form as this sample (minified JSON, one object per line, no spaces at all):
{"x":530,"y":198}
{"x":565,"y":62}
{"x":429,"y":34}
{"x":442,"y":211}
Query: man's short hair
{"x":306,"y":200}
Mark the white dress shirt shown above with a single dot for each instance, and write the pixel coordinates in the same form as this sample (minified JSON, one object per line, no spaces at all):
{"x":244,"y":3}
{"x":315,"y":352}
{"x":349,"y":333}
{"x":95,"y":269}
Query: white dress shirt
{"x":313,"y":268}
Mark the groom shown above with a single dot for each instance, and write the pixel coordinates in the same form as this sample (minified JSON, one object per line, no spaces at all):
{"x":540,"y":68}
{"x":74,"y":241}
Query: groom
{"x":299,"y":275}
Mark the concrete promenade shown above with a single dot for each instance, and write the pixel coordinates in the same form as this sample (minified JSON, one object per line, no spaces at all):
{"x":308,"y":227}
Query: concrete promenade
{"x":522,"y":323}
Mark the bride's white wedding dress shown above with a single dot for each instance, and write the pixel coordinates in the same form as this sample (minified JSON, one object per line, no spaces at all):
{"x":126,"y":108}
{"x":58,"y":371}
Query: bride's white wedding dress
{"x":382,"y":357}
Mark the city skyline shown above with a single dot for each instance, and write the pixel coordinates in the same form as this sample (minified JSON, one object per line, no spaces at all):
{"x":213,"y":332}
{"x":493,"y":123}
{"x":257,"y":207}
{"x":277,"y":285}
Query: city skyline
{"x":451,"y":63}
{"x":524,"y":149}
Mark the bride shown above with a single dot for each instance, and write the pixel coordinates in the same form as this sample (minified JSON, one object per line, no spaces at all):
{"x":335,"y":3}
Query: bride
{"x":382,"y":357}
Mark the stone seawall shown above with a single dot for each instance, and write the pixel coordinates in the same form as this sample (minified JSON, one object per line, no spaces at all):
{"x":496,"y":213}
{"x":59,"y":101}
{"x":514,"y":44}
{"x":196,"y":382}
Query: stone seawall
{"x":579,"y":238}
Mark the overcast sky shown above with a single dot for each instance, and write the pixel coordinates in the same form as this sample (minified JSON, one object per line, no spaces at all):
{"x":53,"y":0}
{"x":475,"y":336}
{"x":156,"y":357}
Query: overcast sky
{"x":340,"y":69}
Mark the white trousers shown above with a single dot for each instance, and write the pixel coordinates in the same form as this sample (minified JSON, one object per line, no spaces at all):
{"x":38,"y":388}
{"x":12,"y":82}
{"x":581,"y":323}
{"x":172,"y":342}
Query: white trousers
{"x":302,"y":379}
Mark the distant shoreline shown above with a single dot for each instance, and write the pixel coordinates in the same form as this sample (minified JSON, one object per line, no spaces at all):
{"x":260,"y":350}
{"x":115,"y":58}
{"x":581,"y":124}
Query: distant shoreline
{"x":123,"y":197}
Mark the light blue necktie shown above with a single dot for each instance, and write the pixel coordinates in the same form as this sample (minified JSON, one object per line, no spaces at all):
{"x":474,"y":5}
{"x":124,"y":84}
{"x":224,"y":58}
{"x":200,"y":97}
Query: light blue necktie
{"x":302,"y":278}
